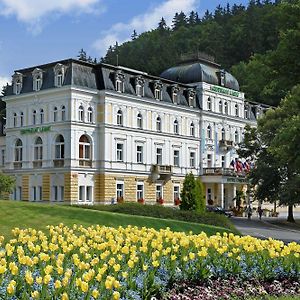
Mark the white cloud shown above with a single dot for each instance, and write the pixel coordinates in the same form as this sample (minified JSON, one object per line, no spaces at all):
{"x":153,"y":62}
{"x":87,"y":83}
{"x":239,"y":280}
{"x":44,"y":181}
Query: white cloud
{"x":3,"y":81}
{"x":121,"y":31}
{"x":32,"y":11}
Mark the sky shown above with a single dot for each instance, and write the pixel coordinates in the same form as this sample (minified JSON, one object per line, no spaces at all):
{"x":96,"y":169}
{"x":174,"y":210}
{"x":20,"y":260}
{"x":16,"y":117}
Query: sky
{"x":34,"y":32}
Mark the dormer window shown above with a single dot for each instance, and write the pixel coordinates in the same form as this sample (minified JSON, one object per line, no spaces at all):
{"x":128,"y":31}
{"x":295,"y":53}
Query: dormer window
{"x":17,"y":83}
{"x":175,"y":94}
{"x":191,"y":97}
{"x":59,"y":73}
{"x":37,"y":76}
{"x":120,"y":81}
{"x":157,"y":90}
{"x":221,"y":77}
{"x":139,"y":86}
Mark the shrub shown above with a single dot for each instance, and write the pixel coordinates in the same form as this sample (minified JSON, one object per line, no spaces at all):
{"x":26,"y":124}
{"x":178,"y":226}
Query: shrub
{"x":188,"y":193}
{"x":200,"y":196}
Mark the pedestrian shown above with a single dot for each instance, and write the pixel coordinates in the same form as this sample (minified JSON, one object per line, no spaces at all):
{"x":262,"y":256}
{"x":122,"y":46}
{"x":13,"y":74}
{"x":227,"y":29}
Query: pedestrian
{"x":249,"y":212}
{"x":260,"y":212}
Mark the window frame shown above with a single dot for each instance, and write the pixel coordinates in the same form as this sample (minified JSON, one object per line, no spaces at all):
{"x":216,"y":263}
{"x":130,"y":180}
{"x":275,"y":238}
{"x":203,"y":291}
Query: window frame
{"x":120,"y":152}
{"x":176,"y":158}
{"x":120,"y":117}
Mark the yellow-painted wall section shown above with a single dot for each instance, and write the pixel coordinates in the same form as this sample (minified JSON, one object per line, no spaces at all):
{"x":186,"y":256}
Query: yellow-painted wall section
{"x":109,"y":113}
{"x":46,"y":187}
{"x":150,"y":192}
{"x":129,"y":116}
{"x":71,"y":187}
{"x":109,"y":187}
{"x":100,"y":113}
{"x":168,"y":192}
{"x":25,"y":188}
{"x":130,"y":189}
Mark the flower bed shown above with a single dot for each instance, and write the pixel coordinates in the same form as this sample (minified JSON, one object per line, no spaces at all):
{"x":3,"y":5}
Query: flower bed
{"x":132,"y":263}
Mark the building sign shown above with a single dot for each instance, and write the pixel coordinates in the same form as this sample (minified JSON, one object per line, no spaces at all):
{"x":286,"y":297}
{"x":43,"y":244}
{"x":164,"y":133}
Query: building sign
{"x":35,"y":130}
{"x":236,"y":180}
{"x":225,"y":91}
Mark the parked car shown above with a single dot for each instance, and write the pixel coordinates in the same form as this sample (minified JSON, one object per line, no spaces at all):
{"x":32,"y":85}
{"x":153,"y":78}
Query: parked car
{"x":219,"y":210}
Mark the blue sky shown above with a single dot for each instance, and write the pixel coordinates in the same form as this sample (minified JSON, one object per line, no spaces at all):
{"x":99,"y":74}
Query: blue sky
{"x":34,"y":32}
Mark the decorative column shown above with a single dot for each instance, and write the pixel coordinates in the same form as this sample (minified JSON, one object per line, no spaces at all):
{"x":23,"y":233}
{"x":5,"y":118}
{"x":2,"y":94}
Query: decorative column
{"x":222,"y":195}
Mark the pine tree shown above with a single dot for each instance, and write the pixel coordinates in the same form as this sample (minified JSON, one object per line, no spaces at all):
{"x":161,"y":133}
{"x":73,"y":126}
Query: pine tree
{"x":188,"y":193}
{"x":162,"y":25}
{"x":179,"y":20}
{"x":82,"y":55}
{"x":134,"y":35}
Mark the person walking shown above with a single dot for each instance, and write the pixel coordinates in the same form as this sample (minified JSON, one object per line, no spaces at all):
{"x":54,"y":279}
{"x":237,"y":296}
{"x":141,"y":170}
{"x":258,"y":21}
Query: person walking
{"x":249,"y":212}
{"x":260,"y":212}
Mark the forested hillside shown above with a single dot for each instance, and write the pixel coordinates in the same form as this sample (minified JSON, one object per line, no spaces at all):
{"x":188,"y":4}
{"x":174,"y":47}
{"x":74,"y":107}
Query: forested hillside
{"x":259,"y":44}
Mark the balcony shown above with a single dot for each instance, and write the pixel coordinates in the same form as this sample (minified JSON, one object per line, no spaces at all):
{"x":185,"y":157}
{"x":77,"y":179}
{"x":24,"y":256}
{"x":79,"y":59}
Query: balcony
{"x":223,"y":172}
{"x":17,"y":165}
{"x":85,"y":163}
{"x":226,"y":145}
{"x":37,"y":164}
{"x":58,"y":163}
{"x":161,"y":172}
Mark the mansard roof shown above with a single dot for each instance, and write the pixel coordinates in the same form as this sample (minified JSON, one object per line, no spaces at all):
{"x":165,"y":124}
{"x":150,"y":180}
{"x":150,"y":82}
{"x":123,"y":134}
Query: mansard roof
{"x":100,"y":77}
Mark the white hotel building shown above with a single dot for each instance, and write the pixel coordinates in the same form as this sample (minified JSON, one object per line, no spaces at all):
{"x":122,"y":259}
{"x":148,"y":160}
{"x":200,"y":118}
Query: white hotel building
{"x":90,"y":133}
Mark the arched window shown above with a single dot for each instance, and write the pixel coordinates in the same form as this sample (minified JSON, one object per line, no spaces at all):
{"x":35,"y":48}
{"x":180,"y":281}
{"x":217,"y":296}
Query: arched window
{"x":223,"y":134}
{"x":38,"y":149}
{"x":84,"y":151}
{"x":63,"y":113}
{"x":42,"y":116}
{"x":21,"y":119}
{"x":81,"y":113}
{"x":15,"y":120}
{"x":209,"y":132}
{"x":119,"y":118}
{"x":236,"y":137}
{"x":226,"y":108}
{"x":90,"y":115}
{"x":139,"y":121}
{"x":220,"y":107}
{"x":60,"y":147}
{"x":209,"y":103}
{"x":18,"y":150}
{"x":158,"y":124}
{"x":55,"y":114}
{"x":34,"y":117}
{"x":236,"y":110}
{"x":176,"y":127}
{"x":192,"y":129}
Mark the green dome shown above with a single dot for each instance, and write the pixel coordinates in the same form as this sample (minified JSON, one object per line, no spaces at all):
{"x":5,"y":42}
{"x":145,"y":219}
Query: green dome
{"x":196,"y":72}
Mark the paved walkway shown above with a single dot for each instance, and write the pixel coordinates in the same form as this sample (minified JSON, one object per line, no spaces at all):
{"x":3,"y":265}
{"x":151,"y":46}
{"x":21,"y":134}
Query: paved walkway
{"x":276,"y":228}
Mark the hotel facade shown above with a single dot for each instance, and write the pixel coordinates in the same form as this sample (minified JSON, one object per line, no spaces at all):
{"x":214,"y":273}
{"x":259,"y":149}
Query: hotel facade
{"x":98,"y":133}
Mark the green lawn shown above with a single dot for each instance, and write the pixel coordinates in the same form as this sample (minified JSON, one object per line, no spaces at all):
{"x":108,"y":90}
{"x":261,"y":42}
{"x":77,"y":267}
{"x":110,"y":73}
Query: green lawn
{"x":38,"y":215}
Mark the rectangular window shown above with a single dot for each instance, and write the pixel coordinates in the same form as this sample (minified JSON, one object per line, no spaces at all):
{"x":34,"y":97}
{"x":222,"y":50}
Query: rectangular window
{"x":139,"y":154}
{"x":120,"y":152}
{"x":19,"y":193}
{"x":176,"y":158}
{"x":159,"y":192}
{"x":158,"y":156}
{"x":192,"y":159}
{"x":34,"y":193}
{"x":55,"y":193}
{"x":176,"y":192}
{"x":15,"y":194}
{"x":157,"y":94}
{"x":81,"y":193}
{"x":62,"y":193}
{"x":139,"y":191}
{"x":223,"y":161}
{"x":209,"y":161}
{"x":2,"y":157}
{"x":40,"y":193}
{"x":120,"y":191}
{"x":89,"y":193}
